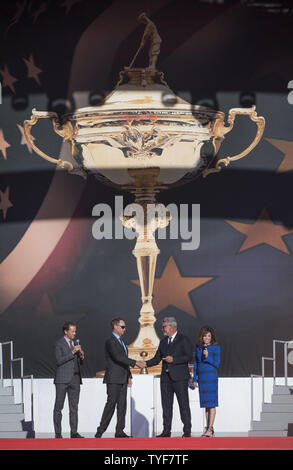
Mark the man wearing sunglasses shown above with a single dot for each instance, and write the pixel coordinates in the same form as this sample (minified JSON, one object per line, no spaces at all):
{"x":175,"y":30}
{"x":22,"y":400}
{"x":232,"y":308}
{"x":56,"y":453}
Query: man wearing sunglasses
{"x":117,"y":377}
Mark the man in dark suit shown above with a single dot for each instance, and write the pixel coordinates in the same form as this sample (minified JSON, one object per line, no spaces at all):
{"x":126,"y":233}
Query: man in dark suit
{"x":117,"y":377}
{"x":176,"y":351}
{"x":69,"y":356}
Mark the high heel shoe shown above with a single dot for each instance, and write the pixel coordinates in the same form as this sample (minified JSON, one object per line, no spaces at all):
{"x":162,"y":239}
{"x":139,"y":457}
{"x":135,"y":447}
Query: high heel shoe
{"x":209,"y":432}
{"x":204,"y":431}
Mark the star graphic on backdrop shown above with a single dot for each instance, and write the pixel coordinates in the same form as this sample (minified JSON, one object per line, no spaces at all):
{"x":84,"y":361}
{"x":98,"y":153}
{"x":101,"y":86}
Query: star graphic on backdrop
{"x":46,"y":309}
{"x":33,"y":70}
{"x":286,"y":147}
{"x":8,"y":79}
{"x":42,"y":8}
{"x":23,"y":138}
{"x":173,"y":289}
{"x":68,"y":4}
{"x":3,"y":144}
{"x":5,"y":204}
{"x":20,"y":7}
{"x":263,"y":230}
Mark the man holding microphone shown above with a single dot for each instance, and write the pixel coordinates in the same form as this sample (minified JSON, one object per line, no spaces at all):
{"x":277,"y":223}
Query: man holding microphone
{"x":69,"y":357}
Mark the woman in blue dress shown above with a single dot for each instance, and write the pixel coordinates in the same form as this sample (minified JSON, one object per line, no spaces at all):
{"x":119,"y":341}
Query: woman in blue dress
{"x":205,"y":375}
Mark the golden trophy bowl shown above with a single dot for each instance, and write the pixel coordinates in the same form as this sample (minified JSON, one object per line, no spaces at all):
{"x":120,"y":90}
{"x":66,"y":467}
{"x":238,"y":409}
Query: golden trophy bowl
{"x":138,"y":142}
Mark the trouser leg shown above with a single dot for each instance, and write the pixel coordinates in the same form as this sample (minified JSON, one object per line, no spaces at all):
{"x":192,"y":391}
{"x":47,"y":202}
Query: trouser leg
{"x":113,"y":391}
{"x":61,"y":390}
{"x":73,"y":399}
{"x":181,"y":390}
{"x":121,"y":409}
{"x":167,"y":397}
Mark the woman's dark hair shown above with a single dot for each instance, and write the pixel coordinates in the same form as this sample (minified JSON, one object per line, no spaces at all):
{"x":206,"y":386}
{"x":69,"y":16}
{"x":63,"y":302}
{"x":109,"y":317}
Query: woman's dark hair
{"x":204,"y":330}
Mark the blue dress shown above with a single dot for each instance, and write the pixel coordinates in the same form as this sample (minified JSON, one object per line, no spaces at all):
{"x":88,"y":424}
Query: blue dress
{"x":205,"y":373}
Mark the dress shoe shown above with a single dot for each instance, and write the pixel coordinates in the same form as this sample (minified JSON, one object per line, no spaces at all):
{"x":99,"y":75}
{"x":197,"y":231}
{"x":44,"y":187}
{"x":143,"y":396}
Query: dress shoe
{"x":121,"y":434}
{"x":98,"y":434}
{"x":164,"y":434}
{"x":58,"y":436}
{"x":76,"y":436}
{"x":186,"y":434}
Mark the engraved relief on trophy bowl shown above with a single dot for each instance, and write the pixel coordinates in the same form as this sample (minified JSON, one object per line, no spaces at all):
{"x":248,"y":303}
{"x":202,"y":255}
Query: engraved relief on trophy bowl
{"x":140,"y":142}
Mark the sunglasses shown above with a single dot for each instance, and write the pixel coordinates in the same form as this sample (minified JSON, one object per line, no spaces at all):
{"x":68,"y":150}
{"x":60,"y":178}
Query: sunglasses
{"x":122,"y":326}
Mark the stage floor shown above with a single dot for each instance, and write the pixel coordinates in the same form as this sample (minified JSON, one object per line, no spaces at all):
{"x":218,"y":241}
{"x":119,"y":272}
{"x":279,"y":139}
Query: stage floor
{"x":170,"y":444}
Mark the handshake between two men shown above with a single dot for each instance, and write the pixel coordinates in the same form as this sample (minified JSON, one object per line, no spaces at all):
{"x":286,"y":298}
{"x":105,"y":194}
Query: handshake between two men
{"x":118,"y":376}
{"x":142,"y":364}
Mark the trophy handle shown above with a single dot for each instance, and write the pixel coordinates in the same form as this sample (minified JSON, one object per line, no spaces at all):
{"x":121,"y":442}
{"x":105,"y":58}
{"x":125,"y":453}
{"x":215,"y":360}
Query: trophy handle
{"x":66,"y":132}
{"x":260,"y":122}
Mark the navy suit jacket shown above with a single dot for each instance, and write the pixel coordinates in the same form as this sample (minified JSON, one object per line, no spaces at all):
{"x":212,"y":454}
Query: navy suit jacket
{"x":117,"y":362}
{"x":181,"y":350}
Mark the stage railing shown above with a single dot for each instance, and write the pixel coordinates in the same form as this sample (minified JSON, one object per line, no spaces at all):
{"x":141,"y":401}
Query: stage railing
{"x":262,"y":376}
{"x":22,"y":377}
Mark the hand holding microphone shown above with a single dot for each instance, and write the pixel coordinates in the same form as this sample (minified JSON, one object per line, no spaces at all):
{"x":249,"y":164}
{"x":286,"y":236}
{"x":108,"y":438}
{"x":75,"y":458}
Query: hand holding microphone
{"x":77,"y":349}
{"x":205,"y":350}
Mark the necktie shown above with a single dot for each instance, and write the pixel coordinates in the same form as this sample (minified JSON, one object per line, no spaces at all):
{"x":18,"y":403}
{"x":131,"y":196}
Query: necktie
{"x":122,"y":344}
{"x":71,"y":344}
{"x":169,"y":344}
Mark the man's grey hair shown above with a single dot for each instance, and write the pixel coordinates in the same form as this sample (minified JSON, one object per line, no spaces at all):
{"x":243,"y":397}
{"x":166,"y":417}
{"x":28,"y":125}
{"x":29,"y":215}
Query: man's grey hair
{"x":171,"y":321}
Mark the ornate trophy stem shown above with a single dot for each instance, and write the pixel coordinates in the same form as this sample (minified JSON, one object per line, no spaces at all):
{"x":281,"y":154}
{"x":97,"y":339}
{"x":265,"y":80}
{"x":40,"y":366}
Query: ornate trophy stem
{"x":149,"y":216}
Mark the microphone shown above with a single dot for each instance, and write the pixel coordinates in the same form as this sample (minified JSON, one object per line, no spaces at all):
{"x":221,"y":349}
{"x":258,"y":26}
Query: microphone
{"x":77,"y":344}
{"x":204,"y":347}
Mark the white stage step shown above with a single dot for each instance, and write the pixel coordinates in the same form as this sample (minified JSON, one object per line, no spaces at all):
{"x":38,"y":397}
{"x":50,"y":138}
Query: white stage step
{"x":282,"y":417}
{"x":13,"y":435}
{"x":268,"y":426}
{"x":282,"y":390}
{"x":11,"y":426}
{"x":6,"y":400}
{"x":282,"y":399}
{"x":15,"y":408}
{"x":267,"y":433}
{"x":6,"y":390}
{"x":275,"y":416}
{"x":8,"y":417}
{"x":277,"y":407}
{"x":11,"y":416}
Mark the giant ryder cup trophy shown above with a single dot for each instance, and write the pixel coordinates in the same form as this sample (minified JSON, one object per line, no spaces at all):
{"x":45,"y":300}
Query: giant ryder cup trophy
{"x":143,"y":139}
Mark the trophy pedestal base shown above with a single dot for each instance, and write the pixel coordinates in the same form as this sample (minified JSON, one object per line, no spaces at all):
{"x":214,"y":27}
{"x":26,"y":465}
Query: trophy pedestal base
{"x":151,"y":370}
{"x":143,"y":354}
{"x":100,"y":374}
{"x":155,"y":370}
